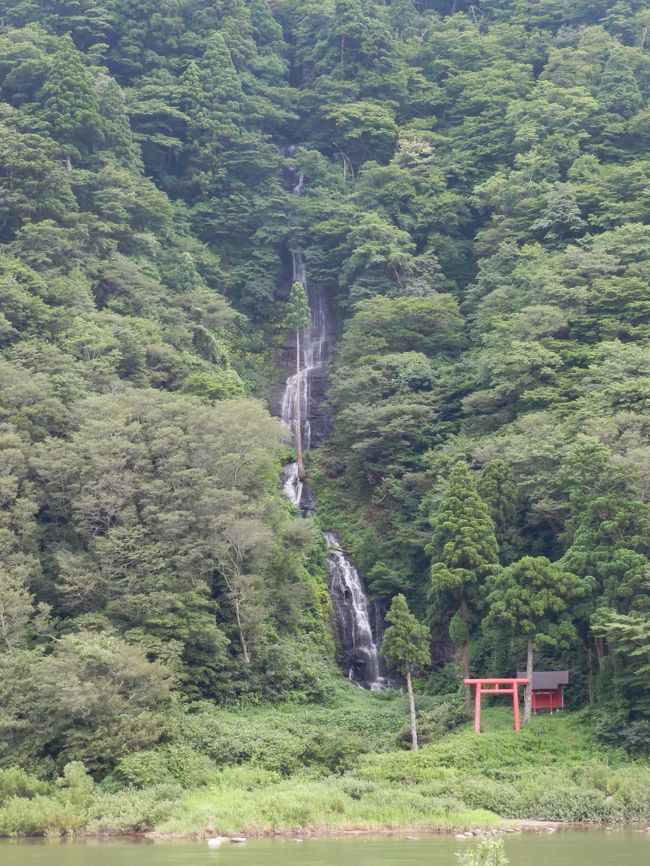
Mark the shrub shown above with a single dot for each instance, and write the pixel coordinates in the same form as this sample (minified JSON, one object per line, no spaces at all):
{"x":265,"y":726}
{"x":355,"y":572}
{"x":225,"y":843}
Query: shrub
{"x":15,"y":782}
{"x":434,"y":724}
{"x":168,"y":764}
{"x":39,"y":816}
{"x":488,"y":852}
{"x":131,"y":810}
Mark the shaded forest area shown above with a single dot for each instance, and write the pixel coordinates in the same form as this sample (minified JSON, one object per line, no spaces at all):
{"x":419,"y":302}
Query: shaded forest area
{"x":476,"y":208}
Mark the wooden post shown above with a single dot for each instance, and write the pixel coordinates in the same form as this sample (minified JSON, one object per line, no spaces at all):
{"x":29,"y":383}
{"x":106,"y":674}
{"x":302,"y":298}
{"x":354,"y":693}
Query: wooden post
{"x":515,"y":705}
{"x":477,"y":708}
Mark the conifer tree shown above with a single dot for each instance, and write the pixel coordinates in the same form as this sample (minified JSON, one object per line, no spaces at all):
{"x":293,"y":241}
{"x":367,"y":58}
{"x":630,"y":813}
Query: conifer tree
{"x":69,"y":103}
{"x":464,"y":552}
{"x":531,"y":599}
{"x":117,"y":129}
{"x":496,"y":486}
{"x":200,"y":144}
{"x":221,"y":86}
{"x":406,"y":647}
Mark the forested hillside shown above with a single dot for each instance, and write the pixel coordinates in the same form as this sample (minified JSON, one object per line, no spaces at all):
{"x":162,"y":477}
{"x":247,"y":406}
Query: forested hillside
{"x":475,"y":207}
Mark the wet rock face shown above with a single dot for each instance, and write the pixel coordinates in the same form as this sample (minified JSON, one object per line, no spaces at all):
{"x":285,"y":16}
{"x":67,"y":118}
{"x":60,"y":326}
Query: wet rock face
{"x":319,"y":340}
{"x":320,"y":422}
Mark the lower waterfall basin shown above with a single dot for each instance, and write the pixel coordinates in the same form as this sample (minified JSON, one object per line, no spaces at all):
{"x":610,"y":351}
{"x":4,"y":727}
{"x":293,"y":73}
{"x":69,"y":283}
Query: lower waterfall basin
{"x":566,"y":847}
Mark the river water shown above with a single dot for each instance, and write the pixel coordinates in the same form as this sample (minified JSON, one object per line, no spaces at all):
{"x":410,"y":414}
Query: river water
{"x":563,"y":848}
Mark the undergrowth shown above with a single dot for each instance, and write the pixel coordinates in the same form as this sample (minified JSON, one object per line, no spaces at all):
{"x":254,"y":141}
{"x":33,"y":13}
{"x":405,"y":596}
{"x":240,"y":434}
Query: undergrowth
{"x":337,"y":767}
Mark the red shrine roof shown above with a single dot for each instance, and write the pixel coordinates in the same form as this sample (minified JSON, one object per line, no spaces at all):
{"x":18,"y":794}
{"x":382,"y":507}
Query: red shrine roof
{"x":548,"y":679}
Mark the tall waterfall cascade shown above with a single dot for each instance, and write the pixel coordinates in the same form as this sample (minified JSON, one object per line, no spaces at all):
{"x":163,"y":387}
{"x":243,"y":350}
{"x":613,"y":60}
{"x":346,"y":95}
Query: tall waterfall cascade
{"x":355,"y":617}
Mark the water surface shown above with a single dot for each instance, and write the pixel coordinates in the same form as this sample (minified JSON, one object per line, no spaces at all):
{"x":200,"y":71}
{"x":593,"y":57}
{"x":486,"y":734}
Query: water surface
{"x":564,"y":848}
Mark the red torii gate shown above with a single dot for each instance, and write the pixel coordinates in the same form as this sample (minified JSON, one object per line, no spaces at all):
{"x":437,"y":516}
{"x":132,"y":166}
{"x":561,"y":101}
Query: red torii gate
{"x":498,"y":686}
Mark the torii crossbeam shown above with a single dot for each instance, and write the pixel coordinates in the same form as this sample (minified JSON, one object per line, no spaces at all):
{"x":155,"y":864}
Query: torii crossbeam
{"x":496,"y":686}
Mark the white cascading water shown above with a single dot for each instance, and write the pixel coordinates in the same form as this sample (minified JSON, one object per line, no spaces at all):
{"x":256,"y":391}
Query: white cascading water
{"x":353,"y":618}
{"x":351,"y":606}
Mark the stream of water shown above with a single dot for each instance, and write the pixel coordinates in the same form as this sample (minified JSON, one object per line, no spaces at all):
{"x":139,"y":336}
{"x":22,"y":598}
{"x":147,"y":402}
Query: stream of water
{"x":623,"y":847}
{"x":355,"y":618}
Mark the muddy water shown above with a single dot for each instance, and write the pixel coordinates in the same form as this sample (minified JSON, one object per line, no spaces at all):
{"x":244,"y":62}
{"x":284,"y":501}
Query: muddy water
{"x":563,"y":848}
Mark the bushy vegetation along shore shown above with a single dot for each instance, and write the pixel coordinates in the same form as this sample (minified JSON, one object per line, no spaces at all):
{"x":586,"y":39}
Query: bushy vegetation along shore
{"x":339,"y":768}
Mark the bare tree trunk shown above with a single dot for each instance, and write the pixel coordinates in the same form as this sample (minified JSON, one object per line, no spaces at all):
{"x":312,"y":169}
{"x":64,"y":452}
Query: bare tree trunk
{"x":242,"y":639}
{"x":528,"y":694}
{"x":298,"y":430}
{"x":590,"y":675}
{"x":414,"y":726}
{"x":464,"y":657}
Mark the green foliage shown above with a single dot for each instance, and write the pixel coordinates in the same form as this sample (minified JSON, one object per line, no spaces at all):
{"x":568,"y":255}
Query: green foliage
{"x":394,"y":325}
{"x":406,"y":641}
{"x":433,"y":724}
{"x":488,"y":852}
{"x":464,"y":552}
{"x":628,"y":636}
{"x":532,"y":598}
{"x":94,"y":698}
{"x":497,"y":488}
{"x":553,"y":770}
{"x":288,"y":738}
{"x":298,"y":315}
{"x":70,"y":106}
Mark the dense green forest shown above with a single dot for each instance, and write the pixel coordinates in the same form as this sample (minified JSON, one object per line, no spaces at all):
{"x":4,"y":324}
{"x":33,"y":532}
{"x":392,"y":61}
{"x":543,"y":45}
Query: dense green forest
{"x":476,"y":208}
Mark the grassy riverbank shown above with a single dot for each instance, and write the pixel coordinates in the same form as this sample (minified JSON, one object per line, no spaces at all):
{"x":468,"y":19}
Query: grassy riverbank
{"x":342,"y":767}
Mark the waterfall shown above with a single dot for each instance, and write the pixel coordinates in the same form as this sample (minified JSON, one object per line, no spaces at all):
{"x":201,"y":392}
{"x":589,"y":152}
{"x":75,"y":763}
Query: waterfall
{"x":314,"y":355}
{"x":352,"y":609}
{"x":352,"y":612}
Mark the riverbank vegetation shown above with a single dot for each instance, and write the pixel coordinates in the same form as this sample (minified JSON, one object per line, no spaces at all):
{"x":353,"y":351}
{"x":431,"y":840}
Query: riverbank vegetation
{"x":290,"y":769}
{"x":475,"y":210}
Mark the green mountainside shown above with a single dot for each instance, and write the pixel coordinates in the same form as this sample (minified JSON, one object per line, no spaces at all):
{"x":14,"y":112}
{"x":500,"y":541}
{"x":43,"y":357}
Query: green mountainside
{"x":476,"y":209}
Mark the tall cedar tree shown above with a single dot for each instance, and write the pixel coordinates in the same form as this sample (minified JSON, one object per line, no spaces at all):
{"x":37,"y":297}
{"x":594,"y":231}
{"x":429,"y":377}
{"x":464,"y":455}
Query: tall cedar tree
{"x":531,"y":599}
{"x":628,"y":638}
{"x":497,"y":488}
{"x":406,"y":648}
{"x":464,"y":552}
{"x":224,"y":96}
{"x":117,"y":128}
{"x":69,"y":103}
{"x":299,"y":318}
